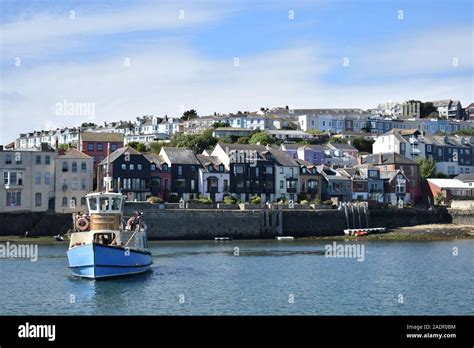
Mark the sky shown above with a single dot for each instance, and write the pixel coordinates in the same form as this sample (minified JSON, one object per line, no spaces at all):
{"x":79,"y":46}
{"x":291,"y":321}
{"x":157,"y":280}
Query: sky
{"x":118,"y":60}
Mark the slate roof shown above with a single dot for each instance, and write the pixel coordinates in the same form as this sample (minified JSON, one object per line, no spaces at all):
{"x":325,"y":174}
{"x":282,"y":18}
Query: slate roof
{"x":387,"y":158}
{"x":117,"y":153}
{"x":74,"y":153}
{"x":180,"y":155}
{"x":465,"y":177}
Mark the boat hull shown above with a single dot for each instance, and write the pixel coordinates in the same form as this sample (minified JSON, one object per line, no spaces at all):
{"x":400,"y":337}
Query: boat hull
{"x":102,"y":261}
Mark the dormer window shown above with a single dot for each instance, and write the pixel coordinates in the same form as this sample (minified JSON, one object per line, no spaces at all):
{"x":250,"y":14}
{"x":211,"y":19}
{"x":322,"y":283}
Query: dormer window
{"x":304,"y":170}
{"x":165,"y":167}
{"x":221,"y":168}
{"x":209,"y":168}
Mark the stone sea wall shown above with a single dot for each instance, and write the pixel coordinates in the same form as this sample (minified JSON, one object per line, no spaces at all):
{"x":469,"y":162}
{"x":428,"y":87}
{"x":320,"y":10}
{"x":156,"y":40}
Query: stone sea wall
{"x":164,"y":224}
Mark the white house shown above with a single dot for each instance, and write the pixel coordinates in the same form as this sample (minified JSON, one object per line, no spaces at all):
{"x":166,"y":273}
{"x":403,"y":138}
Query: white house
{"x":214,"y":178}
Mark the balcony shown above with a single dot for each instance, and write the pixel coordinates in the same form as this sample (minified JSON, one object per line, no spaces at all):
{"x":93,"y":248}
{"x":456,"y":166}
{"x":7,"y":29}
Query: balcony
{"x":17,"y":186}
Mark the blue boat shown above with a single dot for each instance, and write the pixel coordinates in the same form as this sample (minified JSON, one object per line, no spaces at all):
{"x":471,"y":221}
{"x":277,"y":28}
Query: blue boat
{"x":103,"y":245}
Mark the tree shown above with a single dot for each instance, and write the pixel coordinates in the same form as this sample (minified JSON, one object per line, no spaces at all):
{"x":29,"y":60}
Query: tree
{"x":427,"y":109}
{"x":156,"y":146}
{"x":290,"y":126}
{"x":137,"y":146}
{"x":88,"y":125}
{"x":189,"y":114}
{"x":262,"y":138}
{"x":362,"y":144}
{"x":427,"y":168}
{"x":220,"y":124}
{"x":337,"y":140}
{"x":243,"y":140}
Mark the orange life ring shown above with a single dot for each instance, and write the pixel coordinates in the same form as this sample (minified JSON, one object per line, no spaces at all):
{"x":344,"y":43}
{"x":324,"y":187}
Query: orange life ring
{"x":82,"y":224}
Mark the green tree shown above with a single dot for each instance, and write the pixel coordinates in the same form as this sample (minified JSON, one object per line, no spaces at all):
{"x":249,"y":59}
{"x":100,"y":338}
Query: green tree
{"x":362,"y":144}
{"x":337,"y":140}
{"x":262,"y":138}
{"x":137,"y":146}
{"x":427,"y":168}
{"x":156,"y":146}
{"x":189,"y":114}
{"x":243,"y":140}
{"x":220,"y":124}
{"x":88,"y":124}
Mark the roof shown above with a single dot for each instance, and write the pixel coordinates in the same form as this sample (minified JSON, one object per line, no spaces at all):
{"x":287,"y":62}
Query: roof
{"x":465,"y":177}
{"x":105,"y":137}
{"x":208,"y":160}
{"x":443,"y":102}
{"x":390,"y":174}
{"x":116,"y":154}
{"x":343,"y":146}
{"x":449,"y":183}
{"x":283,"y":158}
{"x":180,"y":155}
{"x":74,"y":153}
{"x":304,"y":163}
{"x":154,"y":158}
{"x":387,"y":158}
{"x":234,"y":129}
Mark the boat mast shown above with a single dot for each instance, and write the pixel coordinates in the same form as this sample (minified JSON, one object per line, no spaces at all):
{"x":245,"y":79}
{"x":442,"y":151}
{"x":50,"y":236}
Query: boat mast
{"x":107,"y":178}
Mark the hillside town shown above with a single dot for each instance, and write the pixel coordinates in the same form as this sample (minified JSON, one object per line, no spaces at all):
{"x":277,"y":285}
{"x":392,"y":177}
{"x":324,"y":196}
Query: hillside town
{"x":397,"y":154}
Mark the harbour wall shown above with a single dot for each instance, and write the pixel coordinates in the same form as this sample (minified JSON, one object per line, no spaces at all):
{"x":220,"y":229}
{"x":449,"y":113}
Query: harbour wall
{"x":188,"y":224}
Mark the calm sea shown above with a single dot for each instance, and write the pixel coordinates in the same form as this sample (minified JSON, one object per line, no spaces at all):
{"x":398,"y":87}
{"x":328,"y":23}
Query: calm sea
{"x":253,"y":277}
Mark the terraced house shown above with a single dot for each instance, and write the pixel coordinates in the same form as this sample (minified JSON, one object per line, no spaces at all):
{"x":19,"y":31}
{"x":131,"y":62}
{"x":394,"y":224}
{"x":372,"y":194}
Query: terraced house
{"x":214,"y":178}
{"x":453,"y":154}
{"x":251,"y":168}
{"x":130,"y":171}
{"x":28,"y":179}
{"x":184,"y":171}
{"x":73,"y":180}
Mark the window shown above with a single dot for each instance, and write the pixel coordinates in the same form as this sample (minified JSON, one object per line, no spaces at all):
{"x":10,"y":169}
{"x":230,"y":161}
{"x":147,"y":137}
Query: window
{"x":13,"y":198}
{"x":281,"y":170}
{"x":74,"y":167}
{"x":281,"y":184}
{"x":37,"y":178}
{"x":83,"y":167}
{"x":180,"y":170}
{"x":209,"y":168}
{"x":153,"y":167}
{"x":100,"y":147}
{"x":193,"y":168}
{"x":47,"y":160}
{"x":38,"y":199}
{"x":47,"y":179}
{"x":226,"y":185}
{"x":269,"y":170}
{"x":8,"y":158}
{"x":139,"y":167}
{"x":83,"y":201}
{"x":239,"y":169}
{"x":131,"y":167}
{"x":65,"y":166}
{"x":83,"y":184}
{"x":90,"y":147}
{"x":124,"y":166}
{"x":74,"y":184}
{"x":38,"y":159}
{"x":165,"y":167}
{"x":193,"y":184}
{"x":113,"y":147}
{"x":221,"y":168}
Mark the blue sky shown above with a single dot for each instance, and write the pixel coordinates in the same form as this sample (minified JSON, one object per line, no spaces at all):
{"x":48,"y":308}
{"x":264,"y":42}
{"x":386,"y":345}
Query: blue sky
{"x":180,"y":63}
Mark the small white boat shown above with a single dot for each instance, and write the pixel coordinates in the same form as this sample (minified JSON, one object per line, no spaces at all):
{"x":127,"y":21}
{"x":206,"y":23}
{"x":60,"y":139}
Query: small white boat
{"x":285,"y":238}
{"x":222,"y":239}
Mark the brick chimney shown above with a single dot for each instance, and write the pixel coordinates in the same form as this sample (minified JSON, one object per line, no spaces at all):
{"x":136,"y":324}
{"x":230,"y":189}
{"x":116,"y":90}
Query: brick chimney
{"x":380,"y":158}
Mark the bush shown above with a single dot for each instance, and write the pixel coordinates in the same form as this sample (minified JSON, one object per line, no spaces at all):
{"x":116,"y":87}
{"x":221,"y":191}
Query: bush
{"x":255,"y":200}
{"x":304,"y":201}
{"x":439,"y":199}
{"x":316,"y":201}
{"x":282,"y":200}
{"x":229,"y":200}
{"x":327,"y":202}
{"x":204,"y":200}
{"x":154,"y":200}
{"x":173,"y":198}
